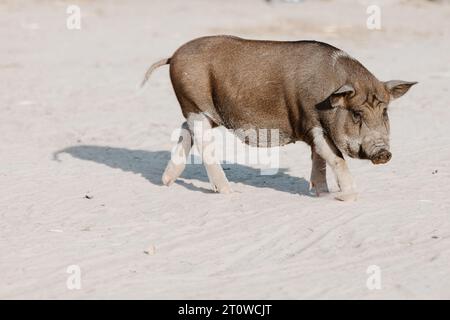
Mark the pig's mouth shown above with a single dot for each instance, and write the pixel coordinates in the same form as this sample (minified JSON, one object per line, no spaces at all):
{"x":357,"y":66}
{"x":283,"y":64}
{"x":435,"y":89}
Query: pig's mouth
{"x":381,"y":157}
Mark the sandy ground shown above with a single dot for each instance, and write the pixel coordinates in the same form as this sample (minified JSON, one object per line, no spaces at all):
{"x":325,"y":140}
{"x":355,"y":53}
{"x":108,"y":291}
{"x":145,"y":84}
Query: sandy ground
{"x":73,"y":124}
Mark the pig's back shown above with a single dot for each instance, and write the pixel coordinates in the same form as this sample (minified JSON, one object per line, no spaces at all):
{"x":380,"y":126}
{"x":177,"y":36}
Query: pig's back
{"x":249,"y":83}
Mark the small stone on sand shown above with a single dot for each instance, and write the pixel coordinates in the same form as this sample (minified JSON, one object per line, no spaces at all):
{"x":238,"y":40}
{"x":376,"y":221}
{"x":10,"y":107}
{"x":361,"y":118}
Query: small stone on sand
{"x":150,"y":250}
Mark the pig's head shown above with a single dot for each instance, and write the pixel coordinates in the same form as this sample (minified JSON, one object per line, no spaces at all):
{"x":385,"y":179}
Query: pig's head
{"x":358,"y":121}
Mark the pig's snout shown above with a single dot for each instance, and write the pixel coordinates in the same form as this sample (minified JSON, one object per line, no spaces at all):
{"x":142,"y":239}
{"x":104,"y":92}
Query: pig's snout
{"x":381,"y":157}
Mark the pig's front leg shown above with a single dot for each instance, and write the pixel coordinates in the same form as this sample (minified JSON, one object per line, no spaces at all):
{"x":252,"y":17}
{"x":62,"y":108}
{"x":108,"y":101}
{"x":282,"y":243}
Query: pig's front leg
{"x":318,"y":173}
{"x":337,"y":163}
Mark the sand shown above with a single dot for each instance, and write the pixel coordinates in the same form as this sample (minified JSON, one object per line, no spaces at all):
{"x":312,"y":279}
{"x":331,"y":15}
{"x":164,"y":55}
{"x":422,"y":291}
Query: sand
{"x":83,"y":149}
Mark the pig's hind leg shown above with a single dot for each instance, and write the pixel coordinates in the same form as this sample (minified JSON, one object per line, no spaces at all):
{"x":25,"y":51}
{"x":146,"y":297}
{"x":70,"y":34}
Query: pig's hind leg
{"x":178,"y":159}
{"x":201,"y":128}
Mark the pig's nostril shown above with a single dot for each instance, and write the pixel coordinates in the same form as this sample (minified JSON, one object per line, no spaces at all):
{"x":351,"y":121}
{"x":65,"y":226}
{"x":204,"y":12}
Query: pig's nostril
{"x":388,"y":156}
{"x":382,"y":156}
{"x":385,"y":155}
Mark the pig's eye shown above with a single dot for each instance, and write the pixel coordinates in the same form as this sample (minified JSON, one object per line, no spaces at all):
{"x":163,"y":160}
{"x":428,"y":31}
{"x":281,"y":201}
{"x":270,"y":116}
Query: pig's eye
{"x":356,"y":116}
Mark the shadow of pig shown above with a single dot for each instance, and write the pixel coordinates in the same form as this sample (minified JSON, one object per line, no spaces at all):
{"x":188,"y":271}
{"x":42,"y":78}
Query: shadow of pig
{"x":151,"y":164}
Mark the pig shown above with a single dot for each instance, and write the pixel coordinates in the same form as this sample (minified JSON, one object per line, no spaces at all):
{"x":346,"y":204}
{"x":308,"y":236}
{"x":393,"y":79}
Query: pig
{"x":309,"y":91}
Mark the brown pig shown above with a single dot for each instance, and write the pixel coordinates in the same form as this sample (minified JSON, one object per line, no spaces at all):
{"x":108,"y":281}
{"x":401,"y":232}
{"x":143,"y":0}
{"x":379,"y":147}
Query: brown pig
{"x":307,"y":90}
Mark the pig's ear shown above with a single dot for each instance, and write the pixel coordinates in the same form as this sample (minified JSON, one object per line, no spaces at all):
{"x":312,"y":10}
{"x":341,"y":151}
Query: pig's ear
{"x":338,"y":98}
{"x":397,"y":88}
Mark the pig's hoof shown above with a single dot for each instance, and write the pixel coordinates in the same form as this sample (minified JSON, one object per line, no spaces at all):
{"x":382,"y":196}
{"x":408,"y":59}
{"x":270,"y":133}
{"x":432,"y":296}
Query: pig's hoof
{"x":225,"y":189}
{"x":171,"y":173}
{"x":347,"y":196}
{"x":319,"y":187}
{"x":167,"y":179}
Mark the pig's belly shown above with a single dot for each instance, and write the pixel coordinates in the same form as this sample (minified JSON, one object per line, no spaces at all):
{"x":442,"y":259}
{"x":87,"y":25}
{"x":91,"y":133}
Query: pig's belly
{"x":263,"y":138}
{"x":259,"y":114}
{"x":257,"y":132}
